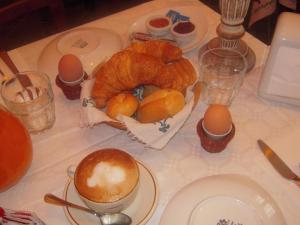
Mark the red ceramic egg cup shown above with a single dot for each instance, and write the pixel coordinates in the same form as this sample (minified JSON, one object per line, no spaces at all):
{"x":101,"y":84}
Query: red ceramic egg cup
{"x":72,"y":92}
{"x":211,"y":145}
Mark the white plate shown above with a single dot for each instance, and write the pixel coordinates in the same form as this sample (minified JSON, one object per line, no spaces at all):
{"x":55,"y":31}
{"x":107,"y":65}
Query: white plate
{"x":222,"y":199}
{"x":140,"y":210}
{"x":91,"y":45}
{"x":193,"y":12}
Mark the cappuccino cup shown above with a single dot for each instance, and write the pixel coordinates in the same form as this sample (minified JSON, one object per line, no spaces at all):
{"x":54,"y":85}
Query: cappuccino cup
{"x":107,"y":180}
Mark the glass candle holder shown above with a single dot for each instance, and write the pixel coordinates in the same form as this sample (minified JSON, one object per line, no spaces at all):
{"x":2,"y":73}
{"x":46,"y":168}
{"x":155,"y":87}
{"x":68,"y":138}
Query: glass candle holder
{"x":230,"y":30}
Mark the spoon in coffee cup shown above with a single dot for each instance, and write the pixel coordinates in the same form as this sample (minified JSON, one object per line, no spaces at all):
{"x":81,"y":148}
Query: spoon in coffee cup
{"x":105,"y":218}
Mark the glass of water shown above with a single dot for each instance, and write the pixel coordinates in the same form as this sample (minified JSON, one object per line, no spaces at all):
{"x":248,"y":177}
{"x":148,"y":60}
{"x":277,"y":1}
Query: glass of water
{"x":222,"y":72}
{"x":29,"y":96}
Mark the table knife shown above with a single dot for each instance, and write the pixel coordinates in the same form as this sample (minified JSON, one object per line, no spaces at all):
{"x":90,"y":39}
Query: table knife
{"x":278,"y":163}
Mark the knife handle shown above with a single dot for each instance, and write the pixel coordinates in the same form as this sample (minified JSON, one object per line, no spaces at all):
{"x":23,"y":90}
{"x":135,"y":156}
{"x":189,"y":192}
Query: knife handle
{"x":297,"y":181}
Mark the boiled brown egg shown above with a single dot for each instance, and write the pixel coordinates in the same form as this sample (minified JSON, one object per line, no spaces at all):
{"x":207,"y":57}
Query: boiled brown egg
{"x":70,"y":68}
{"x":217,"y":119}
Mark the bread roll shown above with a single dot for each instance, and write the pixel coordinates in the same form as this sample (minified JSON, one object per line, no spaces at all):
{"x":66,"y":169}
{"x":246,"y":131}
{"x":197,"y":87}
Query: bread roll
{"x":124,"y":103}
{"x":149,"y":89}
{"x":160,"y":105}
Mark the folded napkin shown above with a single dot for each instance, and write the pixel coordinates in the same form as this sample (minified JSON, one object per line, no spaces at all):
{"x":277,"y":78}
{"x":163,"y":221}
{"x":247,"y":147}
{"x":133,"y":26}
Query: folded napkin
{"x":12,"y":217}
{"x":154,"y":135}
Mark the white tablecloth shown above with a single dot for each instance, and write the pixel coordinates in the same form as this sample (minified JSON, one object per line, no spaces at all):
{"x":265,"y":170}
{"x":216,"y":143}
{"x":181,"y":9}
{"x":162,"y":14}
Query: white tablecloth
{"x":182,"y":160}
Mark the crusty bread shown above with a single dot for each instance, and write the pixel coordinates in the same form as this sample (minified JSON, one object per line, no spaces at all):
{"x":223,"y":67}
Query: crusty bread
{"x":124,"y":71}
{"x":127,"y":69}
{"x":149,"y":89}
{"x":163,"y":50}
{"x":181,"y":74}
{"x":124,"y":103}
{"x":159,"y":105}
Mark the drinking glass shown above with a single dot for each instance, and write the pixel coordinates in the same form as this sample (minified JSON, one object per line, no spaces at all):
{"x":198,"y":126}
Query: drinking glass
{"x":222,"y":72}
{"x":33,"y":103}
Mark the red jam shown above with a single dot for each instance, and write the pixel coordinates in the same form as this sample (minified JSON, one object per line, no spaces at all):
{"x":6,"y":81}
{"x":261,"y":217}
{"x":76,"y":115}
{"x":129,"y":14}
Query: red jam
{"x":184,"y":27}
{"x":159,"y":22}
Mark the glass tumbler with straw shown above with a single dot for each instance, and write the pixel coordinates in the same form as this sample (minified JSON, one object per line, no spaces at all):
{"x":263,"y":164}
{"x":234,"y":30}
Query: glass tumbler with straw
{"x":222,"y":71}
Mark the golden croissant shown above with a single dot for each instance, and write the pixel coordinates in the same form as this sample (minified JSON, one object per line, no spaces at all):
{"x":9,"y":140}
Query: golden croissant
{"x":158,"y":48}
{"x":177,"y":75}
{"x":127,"y":69}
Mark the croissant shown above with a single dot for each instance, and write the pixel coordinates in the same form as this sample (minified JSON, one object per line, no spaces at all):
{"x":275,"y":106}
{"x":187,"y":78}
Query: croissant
{"x":127,"y":69}
{"x":182,"y":75}
{"x":124,"y":71}
{"x":158,"y":48}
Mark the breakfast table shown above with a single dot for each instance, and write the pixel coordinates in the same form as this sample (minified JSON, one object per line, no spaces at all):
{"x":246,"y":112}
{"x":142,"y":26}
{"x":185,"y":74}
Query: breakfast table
{"x":182,"y":160}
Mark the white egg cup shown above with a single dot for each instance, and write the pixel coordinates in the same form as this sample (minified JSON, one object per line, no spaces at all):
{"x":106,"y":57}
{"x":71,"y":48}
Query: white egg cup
{"x":216,"y":136}
{"x":73,"y":83}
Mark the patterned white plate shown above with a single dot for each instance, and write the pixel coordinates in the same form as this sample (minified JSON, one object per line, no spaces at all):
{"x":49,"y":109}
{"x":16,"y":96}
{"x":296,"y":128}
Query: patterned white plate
{"x":230,"y":199}
{"x":140,"y":210}
{"x":91,"y":45}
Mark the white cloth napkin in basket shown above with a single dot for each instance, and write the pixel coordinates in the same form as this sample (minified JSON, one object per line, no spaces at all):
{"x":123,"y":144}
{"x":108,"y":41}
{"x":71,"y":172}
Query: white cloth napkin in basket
{"x":155,"y":135}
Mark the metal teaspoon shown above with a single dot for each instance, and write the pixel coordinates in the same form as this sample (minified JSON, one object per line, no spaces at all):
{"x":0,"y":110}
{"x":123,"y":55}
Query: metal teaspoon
{"x":105,"y":218}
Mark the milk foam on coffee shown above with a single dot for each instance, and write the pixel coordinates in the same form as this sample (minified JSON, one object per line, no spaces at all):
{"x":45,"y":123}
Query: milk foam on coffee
{"x":106,"y":174}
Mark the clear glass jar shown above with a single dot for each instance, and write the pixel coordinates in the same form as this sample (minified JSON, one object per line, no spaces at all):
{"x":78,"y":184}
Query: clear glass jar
{"x":32,"y":104}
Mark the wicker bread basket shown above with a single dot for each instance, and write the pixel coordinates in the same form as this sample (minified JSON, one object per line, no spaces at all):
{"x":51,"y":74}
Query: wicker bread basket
{"x":196,"y":91}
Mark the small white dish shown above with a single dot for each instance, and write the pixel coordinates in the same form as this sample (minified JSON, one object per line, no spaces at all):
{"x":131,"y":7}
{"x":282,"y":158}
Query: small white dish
{"x":195,"y":13}
{"x":159,"y":30}
{"x":183,"y":37}
{"x":222,"y":199}
{"x":140,"y":210}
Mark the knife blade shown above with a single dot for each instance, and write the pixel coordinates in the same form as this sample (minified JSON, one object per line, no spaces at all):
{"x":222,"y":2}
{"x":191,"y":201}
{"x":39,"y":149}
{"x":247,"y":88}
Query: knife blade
{"x":278,"y":164}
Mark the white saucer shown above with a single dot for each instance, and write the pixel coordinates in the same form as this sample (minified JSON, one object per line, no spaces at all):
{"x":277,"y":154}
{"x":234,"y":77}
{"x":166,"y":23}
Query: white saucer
{"x":222,"y":199}
{"x":91,"y":45}
{"x":193,"y":12}
{"x":140,"y":210}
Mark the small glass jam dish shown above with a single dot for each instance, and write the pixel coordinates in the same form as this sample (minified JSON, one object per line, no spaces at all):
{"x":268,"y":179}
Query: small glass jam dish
{"x":158,"y":25}
{"x":183,"y":31}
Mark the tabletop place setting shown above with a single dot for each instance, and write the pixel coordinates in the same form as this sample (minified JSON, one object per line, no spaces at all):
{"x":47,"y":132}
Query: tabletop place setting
{"x":154,"y":115}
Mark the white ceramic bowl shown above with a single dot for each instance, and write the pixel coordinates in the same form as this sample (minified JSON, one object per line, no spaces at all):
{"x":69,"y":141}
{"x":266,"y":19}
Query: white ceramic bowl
{"x":111,"y":207}
{"x":183,"y":36}
{"x":160,"y":29}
